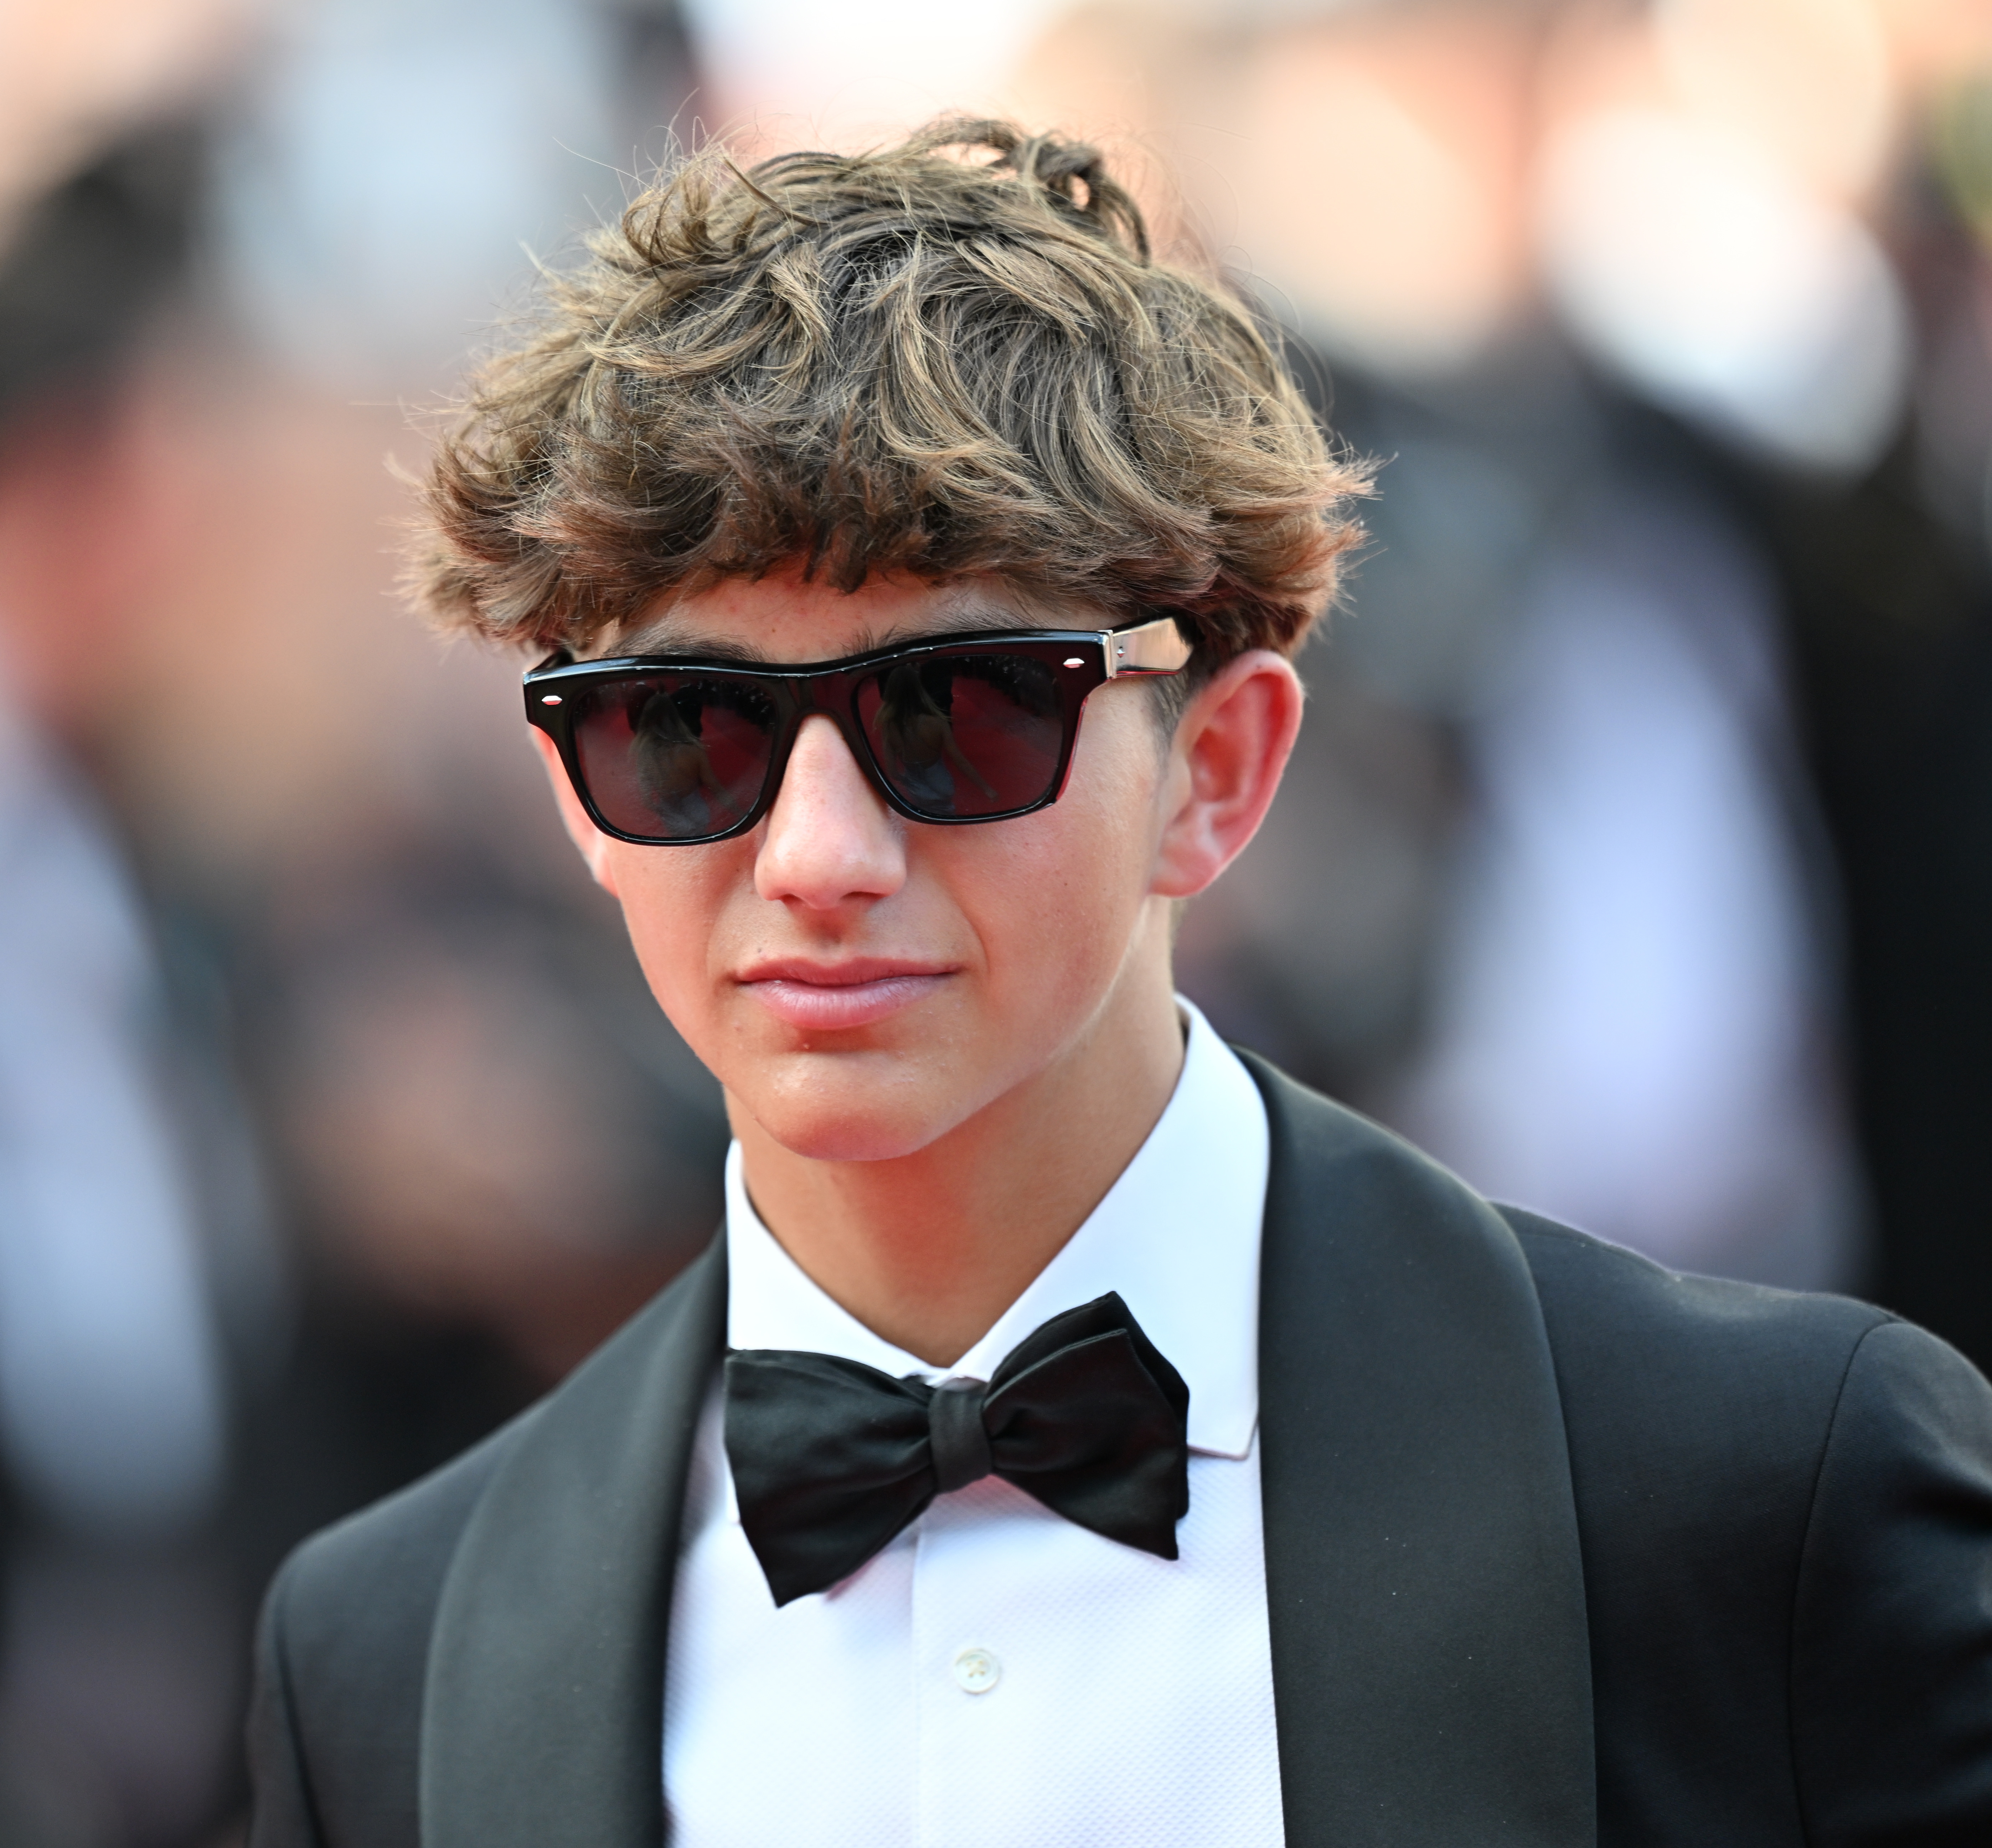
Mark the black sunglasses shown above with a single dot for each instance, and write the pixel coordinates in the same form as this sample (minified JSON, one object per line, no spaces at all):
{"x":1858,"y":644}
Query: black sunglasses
{"x":670,"y":749}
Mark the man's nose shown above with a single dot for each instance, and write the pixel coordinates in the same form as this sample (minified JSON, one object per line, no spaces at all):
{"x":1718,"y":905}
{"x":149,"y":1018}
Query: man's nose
{"x":828,"y":838}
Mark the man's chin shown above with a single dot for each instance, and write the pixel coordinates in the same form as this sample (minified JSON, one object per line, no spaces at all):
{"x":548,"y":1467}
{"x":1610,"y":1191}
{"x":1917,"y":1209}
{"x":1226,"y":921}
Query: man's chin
{"x":857,"y":1122}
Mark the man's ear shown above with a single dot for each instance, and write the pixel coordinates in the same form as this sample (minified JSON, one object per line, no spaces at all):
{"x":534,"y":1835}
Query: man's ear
{"x":1230,"y":747}
{"x":593,"y":843}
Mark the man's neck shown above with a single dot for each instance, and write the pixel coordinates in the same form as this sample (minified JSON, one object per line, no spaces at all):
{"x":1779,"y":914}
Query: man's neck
{"x":927,"y":1250}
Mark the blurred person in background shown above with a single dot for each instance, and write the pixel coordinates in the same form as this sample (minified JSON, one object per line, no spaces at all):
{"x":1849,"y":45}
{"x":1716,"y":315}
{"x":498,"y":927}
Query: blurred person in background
{"x":321,"y":1150}
{"x":1885,"y":561}
{"x":487,"y":1156}
{"x":118,"y":1143}
{"x":1580,"y":950}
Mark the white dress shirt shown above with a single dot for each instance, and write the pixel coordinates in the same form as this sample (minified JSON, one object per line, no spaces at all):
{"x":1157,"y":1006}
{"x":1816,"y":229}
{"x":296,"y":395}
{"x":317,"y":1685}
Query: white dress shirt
{"x":999,"y":1677}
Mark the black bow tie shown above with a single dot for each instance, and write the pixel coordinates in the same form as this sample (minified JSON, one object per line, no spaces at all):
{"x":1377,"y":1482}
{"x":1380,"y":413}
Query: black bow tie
{"x":831,"y":1458}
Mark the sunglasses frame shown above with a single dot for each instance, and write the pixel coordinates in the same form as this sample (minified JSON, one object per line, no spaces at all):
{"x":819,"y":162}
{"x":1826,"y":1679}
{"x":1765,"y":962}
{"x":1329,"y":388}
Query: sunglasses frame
{"x":1083,"y":659}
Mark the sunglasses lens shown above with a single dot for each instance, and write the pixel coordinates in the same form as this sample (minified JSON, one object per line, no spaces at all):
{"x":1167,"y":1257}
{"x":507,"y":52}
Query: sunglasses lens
{"x":961,"y":736}
{"x":673,"y":757}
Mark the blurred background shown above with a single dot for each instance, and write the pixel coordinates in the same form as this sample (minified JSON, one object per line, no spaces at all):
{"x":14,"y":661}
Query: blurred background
{"x":1637,"y":859}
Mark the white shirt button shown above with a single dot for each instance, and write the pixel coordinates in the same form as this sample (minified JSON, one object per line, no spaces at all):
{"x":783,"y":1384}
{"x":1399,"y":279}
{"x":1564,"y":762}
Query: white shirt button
{"x":975,"y":1671}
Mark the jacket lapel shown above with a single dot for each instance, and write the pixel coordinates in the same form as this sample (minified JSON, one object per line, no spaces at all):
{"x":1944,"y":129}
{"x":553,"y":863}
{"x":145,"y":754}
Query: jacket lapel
{"x":1430,"y":1658}
{"x":543,"y":1715}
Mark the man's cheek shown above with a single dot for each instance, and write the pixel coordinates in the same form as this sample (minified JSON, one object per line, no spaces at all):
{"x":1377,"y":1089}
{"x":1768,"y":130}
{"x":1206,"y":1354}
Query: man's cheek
{"x":674,"y":937}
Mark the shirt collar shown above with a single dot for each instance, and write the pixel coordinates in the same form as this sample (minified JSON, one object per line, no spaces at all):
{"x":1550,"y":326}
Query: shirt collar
{"x":1177,"y":1235}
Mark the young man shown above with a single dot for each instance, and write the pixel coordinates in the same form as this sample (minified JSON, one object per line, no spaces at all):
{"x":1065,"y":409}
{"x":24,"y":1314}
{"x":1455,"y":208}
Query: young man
{"x":1079,"y":1432}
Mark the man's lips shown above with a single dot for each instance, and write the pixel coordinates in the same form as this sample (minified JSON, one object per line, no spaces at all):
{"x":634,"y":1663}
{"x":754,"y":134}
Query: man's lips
{"x":827,"y":995}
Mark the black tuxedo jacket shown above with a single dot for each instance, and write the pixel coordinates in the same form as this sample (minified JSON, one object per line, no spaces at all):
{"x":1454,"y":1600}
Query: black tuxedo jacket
{"x":1561,"y":1549}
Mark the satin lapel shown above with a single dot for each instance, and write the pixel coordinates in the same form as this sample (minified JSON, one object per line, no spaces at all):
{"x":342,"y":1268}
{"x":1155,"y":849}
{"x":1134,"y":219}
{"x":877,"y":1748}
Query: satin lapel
{"x":543,"y":1717}
{"x":1430,"y":1658}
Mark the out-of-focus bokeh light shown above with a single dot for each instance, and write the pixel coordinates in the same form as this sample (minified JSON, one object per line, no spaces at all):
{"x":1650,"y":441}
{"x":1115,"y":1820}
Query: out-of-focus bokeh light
{"x":1698,"y":193}
{"x":1380,"y":190}
{"x":388,"y":176}
{"x":1963,"y":147}
{"x":1685,"y":255}
{"x":77,"y":74}
{"x":1810,"y":80}
{"x":788,"y":72}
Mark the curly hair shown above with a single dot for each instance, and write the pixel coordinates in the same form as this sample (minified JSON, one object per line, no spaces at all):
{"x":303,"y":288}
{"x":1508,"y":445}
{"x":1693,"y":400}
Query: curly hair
{"x":954,"y":356}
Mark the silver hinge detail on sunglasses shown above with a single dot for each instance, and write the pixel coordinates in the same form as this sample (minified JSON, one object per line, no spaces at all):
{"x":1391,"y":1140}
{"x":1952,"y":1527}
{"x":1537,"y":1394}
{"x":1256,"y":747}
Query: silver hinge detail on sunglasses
{"x":1156,"y":647}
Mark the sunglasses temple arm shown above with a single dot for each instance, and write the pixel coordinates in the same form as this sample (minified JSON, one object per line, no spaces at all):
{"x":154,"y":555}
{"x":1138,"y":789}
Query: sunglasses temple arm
{"x":1154,"y":648}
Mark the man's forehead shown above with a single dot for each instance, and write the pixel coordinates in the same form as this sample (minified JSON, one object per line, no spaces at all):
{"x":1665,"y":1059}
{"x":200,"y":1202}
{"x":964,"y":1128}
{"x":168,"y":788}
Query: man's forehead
{"x":766,"y":626}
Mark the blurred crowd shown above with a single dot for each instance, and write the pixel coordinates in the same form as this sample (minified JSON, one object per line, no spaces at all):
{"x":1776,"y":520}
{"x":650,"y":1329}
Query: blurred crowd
{"x":1637,"y":858}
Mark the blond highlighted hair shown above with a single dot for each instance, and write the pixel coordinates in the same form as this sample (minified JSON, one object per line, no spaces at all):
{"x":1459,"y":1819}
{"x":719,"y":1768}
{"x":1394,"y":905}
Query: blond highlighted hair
{"x":956,"y":356}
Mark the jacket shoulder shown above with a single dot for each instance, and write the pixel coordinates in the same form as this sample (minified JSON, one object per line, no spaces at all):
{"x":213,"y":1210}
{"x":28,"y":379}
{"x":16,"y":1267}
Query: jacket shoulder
{"x":1698,"y":1414}
{"x":1693,"y":1406}
{"x":374,"y":1577}
{"x":335,"y":1722}
{"x":1613,"y":1315}
{"x":343,"y":1653}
